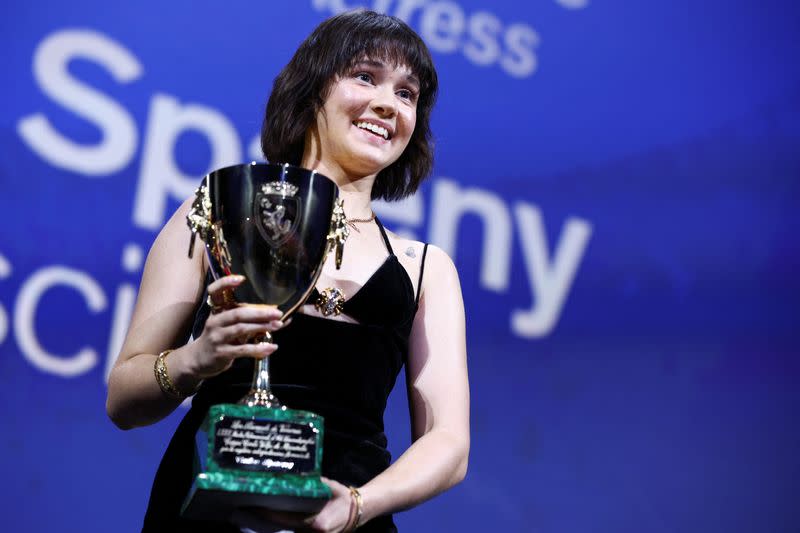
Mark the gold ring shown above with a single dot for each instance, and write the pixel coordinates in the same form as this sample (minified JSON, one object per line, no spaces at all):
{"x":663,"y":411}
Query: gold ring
{"x":227,"y":298}
{"x":214,"y":308}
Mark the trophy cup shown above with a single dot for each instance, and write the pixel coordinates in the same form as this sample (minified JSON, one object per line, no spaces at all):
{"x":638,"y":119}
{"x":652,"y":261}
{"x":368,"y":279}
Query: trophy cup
{"x":274,"y":224}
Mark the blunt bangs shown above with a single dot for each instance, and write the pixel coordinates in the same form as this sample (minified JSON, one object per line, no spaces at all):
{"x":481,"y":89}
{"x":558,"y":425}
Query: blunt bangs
{"x":382,"y":39}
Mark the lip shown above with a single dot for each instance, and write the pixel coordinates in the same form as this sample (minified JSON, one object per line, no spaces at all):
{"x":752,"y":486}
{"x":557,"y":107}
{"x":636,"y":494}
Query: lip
{"x":388,"y":127}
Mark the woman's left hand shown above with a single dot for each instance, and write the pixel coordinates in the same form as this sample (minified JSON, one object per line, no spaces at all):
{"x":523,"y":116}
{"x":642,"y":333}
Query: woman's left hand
{"x":337,"y":514}
{"x":335,"y":517}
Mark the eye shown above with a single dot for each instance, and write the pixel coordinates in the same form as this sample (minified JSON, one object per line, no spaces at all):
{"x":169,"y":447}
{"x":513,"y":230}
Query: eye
{"x":364,"y":76}
{"x":407,"y":94}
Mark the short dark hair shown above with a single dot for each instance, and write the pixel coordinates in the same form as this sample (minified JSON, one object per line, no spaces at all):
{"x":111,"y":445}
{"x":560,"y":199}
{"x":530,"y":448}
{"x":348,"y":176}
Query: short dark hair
{"x":333,"y":48}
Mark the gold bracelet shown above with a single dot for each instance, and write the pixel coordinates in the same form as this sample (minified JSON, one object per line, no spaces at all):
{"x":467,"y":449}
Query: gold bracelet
{"x":359,"y":506}
{"x":163,"y":380}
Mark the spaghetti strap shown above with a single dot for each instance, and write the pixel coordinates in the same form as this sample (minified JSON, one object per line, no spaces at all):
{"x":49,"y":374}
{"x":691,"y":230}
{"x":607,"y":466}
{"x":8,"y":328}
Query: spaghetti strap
{"x":421,"y":270}
{"x":385,"y":237}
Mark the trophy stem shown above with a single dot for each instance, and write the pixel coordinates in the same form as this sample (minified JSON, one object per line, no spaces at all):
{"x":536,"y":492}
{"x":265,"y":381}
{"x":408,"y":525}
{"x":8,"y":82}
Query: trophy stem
{"x":260,"y":393}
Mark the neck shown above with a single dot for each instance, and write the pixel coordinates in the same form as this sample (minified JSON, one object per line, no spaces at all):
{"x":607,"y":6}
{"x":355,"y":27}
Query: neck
{"x":355,"y":191}
{"x":356,"y":204}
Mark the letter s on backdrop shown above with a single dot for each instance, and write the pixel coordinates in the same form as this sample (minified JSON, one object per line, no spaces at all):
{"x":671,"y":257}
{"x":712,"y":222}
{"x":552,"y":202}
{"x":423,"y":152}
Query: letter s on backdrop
{"x":521,"y":40}
{"x":50,"y":64}
{"x":483,"y":29}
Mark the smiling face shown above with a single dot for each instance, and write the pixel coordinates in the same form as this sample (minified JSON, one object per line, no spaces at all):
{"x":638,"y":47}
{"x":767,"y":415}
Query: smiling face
{"x":365,"y":123}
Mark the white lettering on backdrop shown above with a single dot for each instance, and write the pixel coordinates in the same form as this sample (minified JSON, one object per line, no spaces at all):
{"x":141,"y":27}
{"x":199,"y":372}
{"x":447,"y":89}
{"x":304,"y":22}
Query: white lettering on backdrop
{"x":550,"y":273}
{"x":161,"y":177}
{"x":444,"y":25}
{"x":118,"y":127}
{"x":25,"y":316}
{"x":5,"y":271}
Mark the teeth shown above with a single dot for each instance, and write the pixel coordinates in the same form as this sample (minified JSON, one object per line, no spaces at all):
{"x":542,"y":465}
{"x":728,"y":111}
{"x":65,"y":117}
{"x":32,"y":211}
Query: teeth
{"x":374,"y":129}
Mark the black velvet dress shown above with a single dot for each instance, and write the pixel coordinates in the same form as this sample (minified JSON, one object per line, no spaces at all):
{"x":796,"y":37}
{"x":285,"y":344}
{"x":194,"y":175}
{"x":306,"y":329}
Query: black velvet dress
{"x":340,"y":370}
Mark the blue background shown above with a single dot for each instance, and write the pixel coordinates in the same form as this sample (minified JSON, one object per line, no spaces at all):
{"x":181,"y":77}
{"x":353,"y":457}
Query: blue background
{"x":664,"y":397}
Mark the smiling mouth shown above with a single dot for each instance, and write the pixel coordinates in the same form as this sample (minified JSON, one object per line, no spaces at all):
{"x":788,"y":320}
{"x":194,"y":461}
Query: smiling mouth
{"x":372,"y":128}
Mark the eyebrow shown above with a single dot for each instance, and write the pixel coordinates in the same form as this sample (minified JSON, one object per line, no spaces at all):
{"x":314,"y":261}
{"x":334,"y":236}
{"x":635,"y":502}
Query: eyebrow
{"x":380,"y":64}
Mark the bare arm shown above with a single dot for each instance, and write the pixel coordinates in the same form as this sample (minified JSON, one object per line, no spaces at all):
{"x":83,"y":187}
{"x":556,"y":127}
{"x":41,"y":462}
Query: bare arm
{"x":438,"y":399}
{"x":170,"y":291}
{"x":439,"y":405}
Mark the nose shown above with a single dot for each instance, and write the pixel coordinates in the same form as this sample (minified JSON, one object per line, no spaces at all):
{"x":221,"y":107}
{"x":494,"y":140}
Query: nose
{"x":383,"y":103}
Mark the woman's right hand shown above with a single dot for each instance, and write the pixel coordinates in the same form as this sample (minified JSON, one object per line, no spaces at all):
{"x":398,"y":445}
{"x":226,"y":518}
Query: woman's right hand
{"x":227,"y":331}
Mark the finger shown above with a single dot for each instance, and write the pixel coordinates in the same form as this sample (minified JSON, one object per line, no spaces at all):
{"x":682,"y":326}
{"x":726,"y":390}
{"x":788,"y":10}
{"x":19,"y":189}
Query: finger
{"x":220,"y":291}
{"x":240,"y":332}
{"x":247,"y":313}
{"x":258,"y":350}
{"x":225,"y":282}
{"x":335,"y":486}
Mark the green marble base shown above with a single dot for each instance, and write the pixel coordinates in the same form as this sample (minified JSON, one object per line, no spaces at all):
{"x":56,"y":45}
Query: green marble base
{"x":259,"y":457}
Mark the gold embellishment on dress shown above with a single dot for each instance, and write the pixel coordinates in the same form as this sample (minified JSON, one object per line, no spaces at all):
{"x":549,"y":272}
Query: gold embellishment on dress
{"x":330,"y":302}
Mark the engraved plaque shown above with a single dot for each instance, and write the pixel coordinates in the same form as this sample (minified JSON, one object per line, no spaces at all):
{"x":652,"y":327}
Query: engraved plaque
{"x":263,"y":445}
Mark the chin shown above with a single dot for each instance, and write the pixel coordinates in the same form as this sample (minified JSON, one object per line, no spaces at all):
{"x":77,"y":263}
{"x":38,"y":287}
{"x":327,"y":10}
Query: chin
{"x":362,"y":171}
{"x":368,"y":164}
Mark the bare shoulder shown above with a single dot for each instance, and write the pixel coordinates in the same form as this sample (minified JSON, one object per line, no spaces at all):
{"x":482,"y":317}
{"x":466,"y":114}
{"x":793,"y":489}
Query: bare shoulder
{"x":179,"y":216}
{"x":439,"y":260}
{"x":412,"y":251}
{"x":168,"y":260}
{"x":439,"y":270}
{"x":440,"y":273}
{"x":176,"y":235}
{"x":406,"y":248}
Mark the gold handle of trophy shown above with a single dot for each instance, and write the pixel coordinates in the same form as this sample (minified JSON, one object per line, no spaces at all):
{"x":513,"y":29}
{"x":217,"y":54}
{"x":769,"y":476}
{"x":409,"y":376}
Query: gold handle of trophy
{"x":199,"y":217}
{"x":339,"y":232}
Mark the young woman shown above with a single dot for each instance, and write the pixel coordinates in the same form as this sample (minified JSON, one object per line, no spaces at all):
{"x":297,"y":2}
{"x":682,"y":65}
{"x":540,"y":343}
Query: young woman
{"x":353,"y":103}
